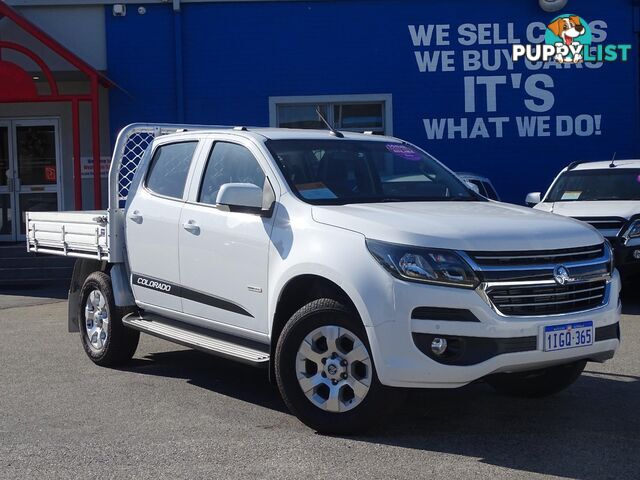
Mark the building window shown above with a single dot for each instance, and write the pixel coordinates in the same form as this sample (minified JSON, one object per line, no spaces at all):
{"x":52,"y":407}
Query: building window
{"x":352,"y":113}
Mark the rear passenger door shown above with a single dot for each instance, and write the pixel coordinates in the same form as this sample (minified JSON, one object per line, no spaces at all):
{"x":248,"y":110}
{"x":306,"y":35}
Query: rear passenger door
{"x":153,"y":223}
{"x":224,"y":254}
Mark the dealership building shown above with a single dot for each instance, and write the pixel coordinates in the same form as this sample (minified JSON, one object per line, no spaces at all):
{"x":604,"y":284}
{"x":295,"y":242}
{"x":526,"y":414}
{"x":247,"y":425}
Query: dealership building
{"x":438,"y":73}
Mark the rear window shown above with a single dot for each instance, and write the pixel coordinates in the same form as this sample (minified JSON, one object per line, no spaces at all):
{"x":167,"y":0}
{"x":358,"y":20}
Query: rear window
{"x":169,"y":169}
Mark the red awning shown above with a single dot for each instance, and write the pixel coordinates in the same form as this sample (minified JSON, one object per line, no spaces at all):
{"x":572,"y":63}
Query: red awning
{"x":53,"y":44}
{"x":17,"y":85}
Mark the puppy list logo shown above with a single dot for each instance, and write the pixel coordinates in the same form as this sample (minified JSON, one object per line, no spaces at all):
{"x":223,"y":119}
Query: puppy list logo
{"x":568,"y":39}
{"x":569,"y":34}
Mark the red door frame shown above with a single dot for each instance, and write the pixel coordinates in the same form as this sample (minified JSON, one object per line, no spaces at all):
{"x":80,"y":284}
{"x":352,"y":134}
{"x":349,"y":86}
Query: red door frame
{"x":96,"y":80}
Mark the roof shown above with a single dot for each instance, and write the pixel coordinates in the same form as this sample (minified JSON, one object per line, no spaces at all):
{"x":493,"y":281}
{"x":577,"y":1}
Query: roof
{"x":473,"y":176}
{"x":308,"y":134}
{"x":606,"y":165}
{"x":53,"y":44}
{"x":291,"y":134}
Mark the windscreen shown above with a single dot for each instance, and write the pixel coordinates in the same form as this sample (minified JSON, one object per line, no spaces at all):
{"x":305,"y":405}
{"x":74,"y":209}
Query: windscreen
{"x":330,"y":172}
{"x":585,"y":185}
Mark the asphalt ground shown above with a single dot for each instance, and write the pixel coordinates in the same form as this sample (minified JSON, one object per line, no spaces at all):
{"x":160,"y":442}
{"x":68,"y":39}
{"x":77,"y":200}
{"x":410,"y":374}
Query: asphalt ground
{"x":178,"y":413}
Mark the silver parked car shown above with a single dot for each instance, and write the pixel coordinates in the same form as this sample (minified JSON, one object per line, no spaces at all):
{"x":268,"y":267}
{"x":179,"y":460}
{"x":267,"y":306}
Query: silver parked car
{"x":485,"y":187}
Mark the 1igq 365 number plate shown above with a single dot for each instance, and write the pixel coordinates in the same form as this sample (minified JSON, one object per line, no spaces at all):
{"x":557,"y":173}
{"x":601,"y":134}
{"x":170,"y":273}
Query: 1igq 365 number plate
{"x":569,"y":335}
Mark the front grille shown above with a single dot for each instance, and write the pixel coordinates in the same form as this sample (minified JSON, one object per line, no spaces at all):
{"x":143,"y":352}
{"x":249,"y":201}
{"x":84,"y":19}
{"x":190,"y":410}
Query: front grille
{"x":531,"y":300}
{"x":542,"y":257}
{"x":604,"y":223}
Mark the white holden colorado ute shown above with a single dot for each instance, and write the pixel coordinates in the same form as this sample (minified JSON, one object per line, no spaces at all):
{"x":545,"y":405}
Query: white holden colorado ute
{"x":605,"y":195}
{"x":347,"y":264}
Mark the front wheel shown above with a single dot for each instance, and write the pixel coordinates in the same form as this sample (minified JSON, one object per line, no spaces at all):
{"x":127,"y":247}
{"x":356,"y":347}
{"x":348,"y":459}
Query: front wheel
{"x":325,"y":371}
{"x":539,"y":383}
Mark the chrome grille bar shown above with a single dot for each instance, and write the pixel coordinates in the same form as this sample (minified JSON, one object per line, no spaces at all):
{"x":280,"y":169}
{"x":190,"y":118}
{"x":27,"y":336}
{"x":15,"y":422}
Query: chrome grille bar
{"x":538,"y":259}
{"x":542,"y":304}
{"x":496,"y":297}
{"x":514,"y":257}
{"x":604,"y":223}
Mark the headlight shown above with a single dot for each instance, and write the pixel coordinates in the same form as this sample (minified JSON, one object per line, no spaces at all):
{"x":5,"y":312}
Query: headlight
{"x":633,"y":230}
{"x":426,"y":265}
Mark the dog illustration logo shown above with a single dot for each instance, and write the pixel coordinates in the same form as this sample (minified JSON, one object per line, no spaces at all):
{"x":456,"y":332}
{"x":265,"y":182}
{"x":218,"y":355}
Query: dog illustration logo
{"x":568,"y":40}
{"x":572,"y":33}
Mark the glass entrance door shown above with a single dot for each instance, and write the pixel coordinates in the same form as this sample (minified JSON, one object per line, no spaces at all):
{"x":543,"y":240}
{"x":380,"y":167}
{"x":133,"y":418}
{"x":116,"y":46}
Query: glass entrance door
{"x":32,"y":172}
{"x":7,"y":210}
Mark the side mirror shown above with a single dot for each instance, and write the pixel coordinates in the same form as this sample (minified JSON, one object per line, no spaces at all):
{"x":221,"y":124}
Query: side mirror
{"x":533,"y":199}
{"x":472,"y":186}
{"x":241,"y":197}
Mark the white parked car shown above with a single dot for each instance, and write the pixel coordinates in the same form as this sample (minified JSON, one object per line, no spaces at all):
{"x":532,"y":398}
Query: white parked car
{"x":483,"y":185}
{"x":605,"y":195}
{"x":345,"y":263}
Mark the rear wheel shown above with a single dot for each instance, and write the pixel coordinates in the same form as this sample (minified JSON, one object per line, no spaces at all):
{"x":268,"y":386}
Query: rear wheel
{"x":539,"y":383}
{"x":106,"y":341}
{"x":325,"y":371}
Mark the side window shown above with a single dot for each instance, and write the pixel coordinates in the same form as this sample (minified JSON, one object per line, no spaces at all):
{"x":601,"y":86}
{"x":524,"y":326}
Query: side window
{"x":493,"y":195}
{"x":228,"y":163}
{"x":480,"y":186}
{"x":169,"y":169}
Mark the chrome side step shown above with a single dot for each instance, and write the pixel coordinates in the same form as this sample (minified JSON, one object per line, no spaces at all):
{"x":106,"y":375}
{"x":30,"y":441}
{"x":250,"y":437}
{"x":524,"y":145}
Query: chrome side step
{"x":208,"y":342}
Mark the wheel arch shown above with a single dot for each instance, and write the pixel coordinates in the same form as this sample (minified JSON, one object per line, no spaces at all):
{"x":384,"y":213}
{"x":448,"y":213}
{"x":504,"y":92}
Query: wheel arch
{"x":297,"y":292}
{"x":302,"y":289}
{"x":81,"y":270}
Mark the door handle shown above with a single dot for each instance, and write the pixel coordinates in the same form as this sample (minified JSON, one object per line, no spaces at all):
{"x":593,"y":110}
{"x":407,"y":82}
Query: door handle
{"x":191,"y":227}
{"x":136,"y":216}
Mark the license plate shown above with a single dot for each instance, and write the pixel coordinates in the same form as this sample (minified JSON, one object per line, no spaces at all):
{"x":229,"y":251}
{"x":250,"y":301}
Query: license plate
{"x":569,"y":335}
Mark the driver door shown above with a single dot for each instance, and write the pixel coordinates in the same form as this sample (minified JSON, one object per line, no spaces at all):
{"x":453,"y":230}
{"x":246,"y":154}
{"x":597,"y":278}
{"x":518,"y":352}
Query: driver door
{"x":223,"y":254}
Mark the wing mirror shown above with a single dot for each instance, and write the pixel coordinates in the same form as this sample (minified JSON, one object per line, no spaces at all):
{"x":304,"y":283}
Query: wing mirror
{"x":533,"y":199}
{"x":246,"y":197}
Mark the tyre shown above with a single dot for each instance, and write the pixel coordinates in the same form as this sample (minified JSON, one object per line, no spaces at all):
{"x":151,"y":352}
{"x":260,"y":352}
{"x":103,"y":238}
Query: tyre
{"x":539,"y":383}
{"x":105,"y":339}
{"x":325,"y":371}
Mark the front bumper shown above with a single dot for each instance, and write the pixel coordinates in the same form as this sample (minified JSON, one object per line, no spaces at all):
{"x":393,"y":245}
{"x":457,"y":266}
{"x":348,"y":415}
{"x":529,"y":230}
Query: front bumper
{"x":500,"y":343}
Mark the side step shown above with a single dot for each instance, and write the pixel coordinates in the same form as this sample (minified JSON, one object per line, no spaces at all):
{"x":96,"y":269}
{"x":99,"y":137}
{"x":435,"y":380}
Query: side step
{"x":201,"y":339}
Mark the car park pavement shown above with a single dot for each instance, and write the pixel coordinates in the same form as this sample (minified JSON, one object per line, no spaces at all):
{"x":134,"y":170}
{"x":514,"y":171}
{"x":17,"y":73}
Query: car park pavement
{"x":178,"y":413}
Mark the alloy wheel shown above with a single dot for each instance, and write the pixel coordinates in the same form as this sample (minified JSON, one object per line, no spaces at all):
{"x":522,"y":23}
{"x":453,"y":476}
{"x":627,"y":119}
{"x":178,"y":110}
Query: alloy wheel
{"x":96,"y":314}
{"x":334,"y":368}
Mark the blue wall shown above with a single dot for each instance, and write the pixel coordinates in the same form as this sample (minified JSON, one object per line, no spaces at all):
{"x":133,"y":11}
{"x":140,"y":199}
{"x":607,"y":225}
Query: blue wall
{"x":237,"y":55}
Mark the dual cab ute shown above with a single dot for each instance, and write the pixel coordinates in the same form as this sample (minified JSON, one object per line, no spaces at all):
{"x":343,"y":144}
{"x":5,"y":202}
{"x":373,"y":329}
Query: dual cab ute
{"x":348,"y":264}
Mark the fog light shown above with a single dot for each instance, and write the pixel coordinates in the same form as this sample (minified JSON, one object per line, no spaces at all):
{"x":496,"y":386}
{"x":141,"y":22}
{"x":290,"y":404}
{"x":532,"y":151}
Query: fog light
{"x":636,"y":254}
{"x":438,"y":346}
